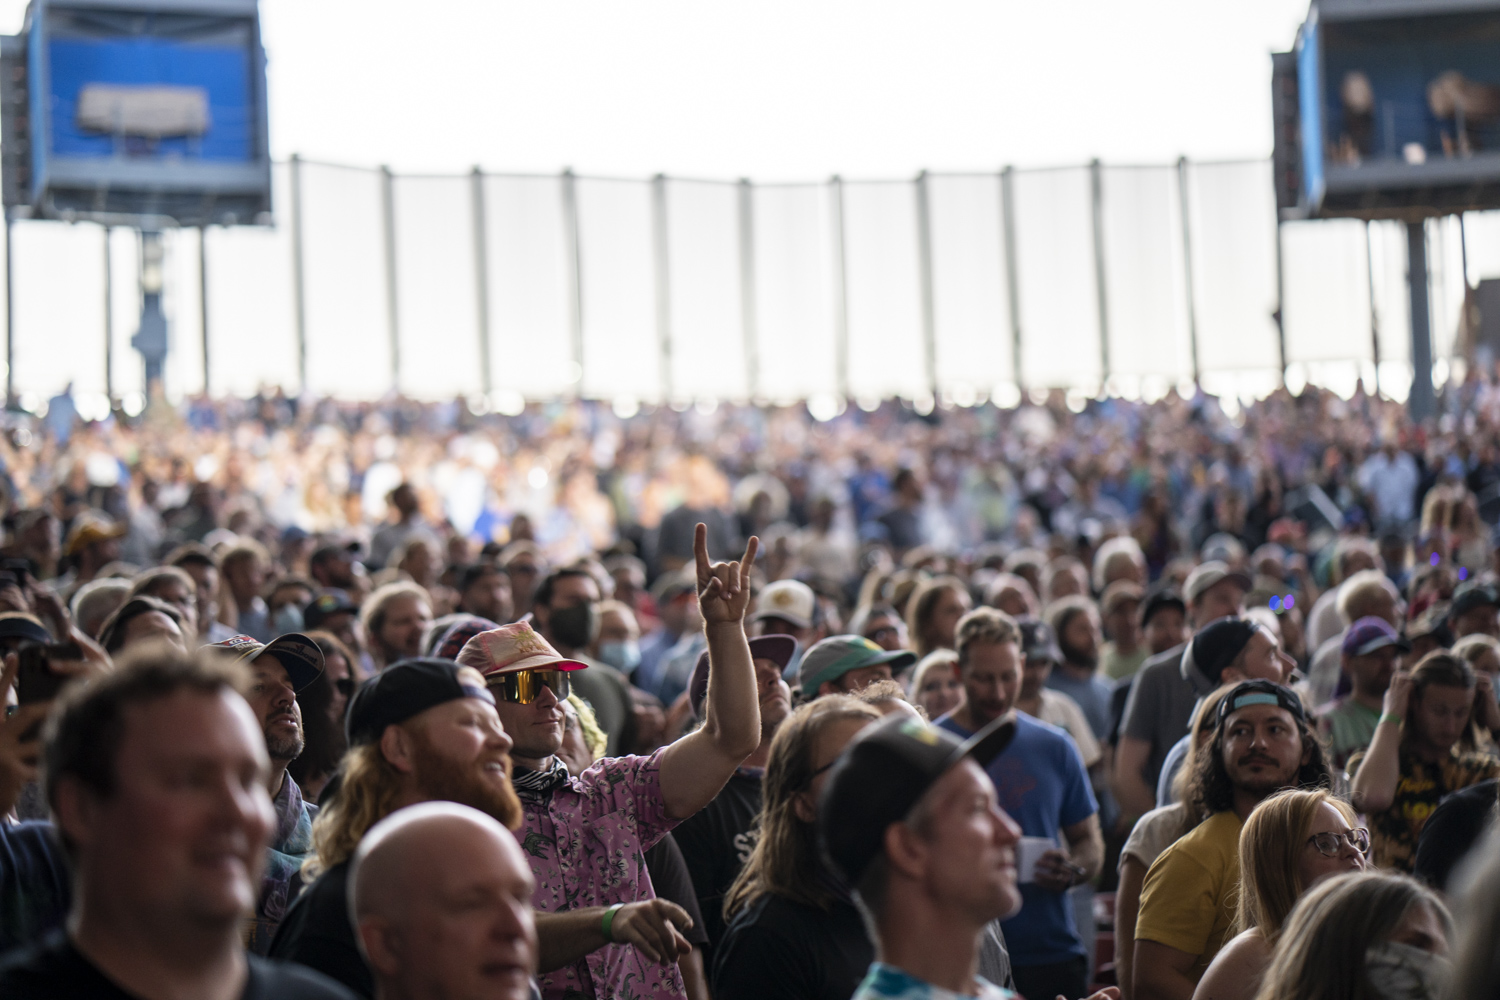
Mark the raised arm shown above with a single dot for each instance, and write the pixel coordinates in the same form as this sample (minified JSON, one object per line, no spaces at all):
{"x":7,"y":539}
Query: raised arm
{"x":695,"y":768}
{"x":1372,"y":788}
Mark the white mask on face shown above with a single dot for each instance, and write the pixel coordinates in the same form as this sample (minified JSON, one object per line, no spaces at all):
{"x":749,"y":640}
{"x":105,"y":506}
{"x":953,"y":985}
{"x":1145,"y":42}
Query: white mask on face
{"x":1402,"y":972}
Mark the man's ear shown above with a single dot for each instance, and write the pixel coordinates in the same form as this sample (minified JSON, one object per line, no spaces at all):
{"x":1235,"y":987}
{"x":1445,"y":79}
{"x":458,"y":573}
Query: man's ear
{"x":905,"y":850}
{"x":396,"y":747}
{"x":378,"y":940}
{"x":76,"y":811}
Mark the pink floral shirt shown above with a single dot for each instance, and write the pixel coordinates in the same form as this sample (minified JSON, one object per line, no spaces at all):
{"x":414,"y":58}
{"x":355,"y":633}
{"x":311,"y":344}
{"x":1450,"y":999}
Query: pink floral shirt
{"x":587,"y":844}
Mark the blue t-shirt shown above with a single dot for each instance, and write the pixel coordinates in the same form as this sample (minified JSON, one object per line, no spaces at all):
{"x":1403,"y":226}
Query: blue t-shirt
{"x":1092,"y":695}
{"x":1042,"y":785}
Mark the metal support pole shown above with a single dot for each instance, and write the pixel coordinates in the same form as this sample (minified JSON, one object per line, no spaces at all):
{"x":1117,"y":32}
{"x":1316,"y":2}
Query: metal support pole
{"x":10,"y":317}
{"x":924,"y":276}
{"x":1101,"y":290}
{"x":481,"y":276}
{"x":109,"y":320}
{"x":1187,"y":266}
{"x":840,"y":287}
{"x":1279,"y":313}
{"x":1421,"y":402}
{"x":747,"y":288}
{"x":203,"y":306}
{"x":1012,"y":273}
{"x":392,"y":300}
{"x":575,"y":271}
{"x":299,"y":288}
{"x":662,"y":272}
{"x":1374,"y":317}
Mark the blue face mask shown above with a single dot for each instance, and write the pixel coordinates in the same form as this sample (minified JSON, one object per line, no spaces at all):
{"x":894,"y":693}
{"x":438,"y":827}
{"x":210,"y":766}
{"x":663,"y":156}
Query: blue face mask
{"x":622,"y":654}
{"x":288,"y":618}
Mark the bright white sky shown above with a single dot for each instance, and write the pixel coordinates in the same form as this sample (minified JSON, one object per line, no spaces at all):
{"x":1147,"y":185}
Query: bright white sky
{"x":770,"y":89}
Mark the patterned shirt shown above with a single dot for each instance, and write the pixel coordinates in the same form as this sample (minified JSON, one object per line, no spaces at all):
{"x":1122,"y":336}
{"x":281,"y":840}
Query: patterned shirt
{"x":292,"y":845}
{"x":886,"y":982}
{"x":1348,"y":726}
{"x":1419,"y":789}
{"x":586,"y":841}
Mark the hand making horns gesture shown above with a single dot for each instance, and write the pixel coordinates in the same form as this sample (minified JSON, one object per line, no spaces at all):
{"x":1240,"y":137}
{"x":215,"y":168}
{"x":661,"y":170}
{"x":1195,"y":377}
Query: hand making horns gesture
{"x":723,"y":587}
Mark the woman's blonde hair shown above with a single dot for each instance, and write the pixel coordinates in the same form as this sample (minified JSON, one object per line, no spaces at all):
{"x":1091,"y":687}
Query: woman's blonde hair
{"x":785,"y":860}
{"x":593,"y":736}
{"x":919,"y":610}
{"x":366,"y":794}
{"x":1321,"y":954}
{"x":1271,"y":843}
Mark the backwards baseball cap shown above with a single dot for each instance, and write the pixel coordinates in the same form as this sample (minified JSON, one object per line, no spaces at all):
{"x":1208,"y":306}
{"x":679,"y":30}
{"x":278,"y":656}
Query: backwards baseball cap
{"x":20,"y":625}
{"x":790,"y":600}
{"x":835,"y":656}
{"x":511,"y":649}
{"x":1213,"y":648}
{"x":326,"y":605}
{"x":405,"y":689}
{"x":1259,"y":692}
{"x":882,"y":775}
{"x":1209,"y":575}
{"x":1037,"y":640}
{"x":779,"y":649}
{"x":90,"y":528}
{"x":1369,"y":634}
{"x":1118,"y":593}
{"x":302,"y":658}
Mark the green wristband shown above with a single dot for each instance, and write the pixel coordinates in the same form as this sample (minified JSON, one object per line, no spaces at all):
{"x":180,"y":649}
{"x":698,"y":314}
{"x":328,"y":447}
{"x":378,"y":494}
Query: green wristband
{"x":1389,"y":717}
{"x":609,"y":922}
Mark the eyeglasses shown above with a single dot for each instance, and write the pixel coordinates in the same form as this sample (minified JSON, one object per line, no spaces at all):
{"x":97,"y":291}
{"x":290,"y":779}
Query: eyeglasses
{"x":884,"y":632}
{"x":525,"y":686}
{"x":1328,"y":843}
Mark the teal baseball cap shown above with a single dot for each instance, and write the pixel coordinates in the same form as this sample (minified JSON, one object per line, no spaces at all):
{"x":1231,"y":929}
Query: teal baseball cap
{"x":835,"y":656}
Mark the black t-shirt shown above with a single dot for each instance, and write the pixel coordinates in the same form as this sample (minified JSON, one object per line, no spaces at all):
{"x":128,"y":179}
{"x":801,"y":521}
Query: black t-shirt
{"x":53,"y":969}
{"x":776,"y":949}
{"x":316,"y":932}
{"x":716,"y":842}
{"x":1452,"y":830}
{"x":35,"y":889}
{"x":669,"y":877}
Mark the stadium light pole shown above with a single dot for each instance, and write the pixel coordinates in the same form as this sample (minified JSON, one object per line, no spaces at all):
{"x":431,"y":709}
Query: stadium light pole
{"x":1421,"y":402}
{"x":203,"y":308}
{"x":924,"y":275}
{"x":661,"y":265}
{"x":1012,"y":272}
{"x":840,"y":287}
{"x":747,"y":287}
{"x":1096,"y":205}
{"x":392,"y":299}
{"x":1374,"y":317}
{"x":299,"y":289}
{"x":569,"y":189}
{"x":1187,"y":266}
{"x":481,"y":276}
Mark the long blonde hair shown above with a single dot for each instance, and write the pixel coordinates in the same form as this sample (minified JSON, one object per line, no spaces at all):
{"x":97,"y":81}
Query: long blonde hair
{"x":785,"y":860}
{"x":1321,"y":954}
{"x":366,"y":795}
{"x":1271,"y":842}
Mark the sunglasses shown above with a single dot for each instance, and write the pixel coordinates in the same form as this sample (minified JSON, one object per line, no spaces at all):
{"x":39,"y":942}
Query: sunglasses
{"x":1328,"y":843}
{"x":525,"y":686}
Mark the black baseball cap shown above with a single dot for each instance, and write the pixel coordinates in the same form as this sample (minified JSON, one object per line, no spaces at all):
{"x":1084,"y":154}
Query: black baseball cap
{"x":20,"y":625}
{"x":779,"y":649}
{"x":1037,"y":640}
{"x":405,"y":689}
{"x":1259,"y":692}
{"x":1471,"y":598}
{"x":1159,"y":600}
{"x":1213,"y":648}
{"x":880,"y":777}
{"x":300,"y":656}
{"x":326,"y":605}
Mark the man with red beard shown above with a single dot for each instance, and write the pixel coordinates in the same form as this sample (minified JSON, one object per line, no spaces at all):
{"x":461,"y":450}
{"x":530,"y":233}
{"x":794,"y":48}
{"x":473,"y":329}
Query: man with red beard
{"x":423,"y":730}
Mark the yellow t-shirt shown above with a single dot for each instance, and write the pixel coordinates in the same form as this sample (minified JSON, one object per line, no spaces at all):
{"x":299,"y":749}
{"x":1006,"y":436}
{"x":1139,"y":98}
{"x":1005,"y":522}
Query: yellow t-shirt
{"x":1190,"y":894}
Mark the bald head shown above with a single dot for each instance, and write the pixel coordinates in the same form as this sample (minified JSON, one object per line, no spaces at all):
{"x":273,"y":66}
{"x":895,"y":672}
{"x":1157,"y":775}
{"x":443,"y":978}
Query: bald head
{"x":441,"y":898}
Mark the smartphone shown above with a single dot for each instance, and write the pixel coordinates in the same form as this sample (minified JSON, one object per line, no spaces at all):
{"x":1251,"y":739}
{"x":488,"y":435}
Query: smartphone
{"x":36,"y":680}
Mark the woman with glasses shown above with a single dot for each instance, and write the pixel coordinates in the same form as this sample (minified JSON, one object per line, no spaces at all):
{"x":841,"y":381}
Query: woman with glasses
{"x":1291,"y":841}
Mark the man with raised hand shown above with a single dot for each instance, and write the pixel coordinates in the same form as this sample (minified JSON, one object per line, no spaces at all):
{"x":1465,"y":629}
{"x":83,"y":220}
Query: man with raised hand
{"x":586,"y":836}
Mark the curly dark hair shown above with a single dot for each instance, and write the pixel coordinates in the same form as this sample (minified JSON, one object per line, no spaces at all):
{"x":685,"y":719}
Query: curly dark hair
{"x":1210,"y":790}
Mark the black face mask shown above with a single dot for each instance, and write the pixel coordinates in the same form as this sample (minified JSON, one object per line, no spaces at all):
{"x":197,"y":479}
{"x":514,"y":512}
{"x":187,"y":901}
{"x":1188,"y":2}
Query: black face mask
{"x":572,"y":627}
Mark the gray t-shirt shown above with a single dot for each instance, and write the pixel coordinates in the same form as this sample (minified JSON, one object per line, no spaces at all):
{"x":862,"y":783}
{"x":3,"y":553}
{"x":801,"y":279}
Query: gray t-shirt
{"x":1160,"y":708}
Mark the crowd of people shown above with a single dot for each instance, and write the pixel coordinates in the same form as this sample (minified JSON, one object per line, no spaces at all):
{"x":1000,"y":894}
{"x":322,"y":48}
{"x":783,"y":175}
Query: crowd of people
{"x":1140,"y":700}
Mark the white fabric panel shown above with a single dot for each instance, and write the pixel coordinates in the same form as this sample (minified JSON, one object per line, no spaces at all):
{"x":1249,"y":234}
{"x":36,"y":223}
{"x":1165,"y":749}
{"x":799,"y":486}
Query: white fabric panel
{"x":708,"y":345}
{"x":530,"y":346}
{"x":620,"y":356}
{"x":886,"y":352}
{"x":793,"y":291}
{"x":435,"y":280}
{"x":1055,"y":258}
{"x":970,"y":300}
